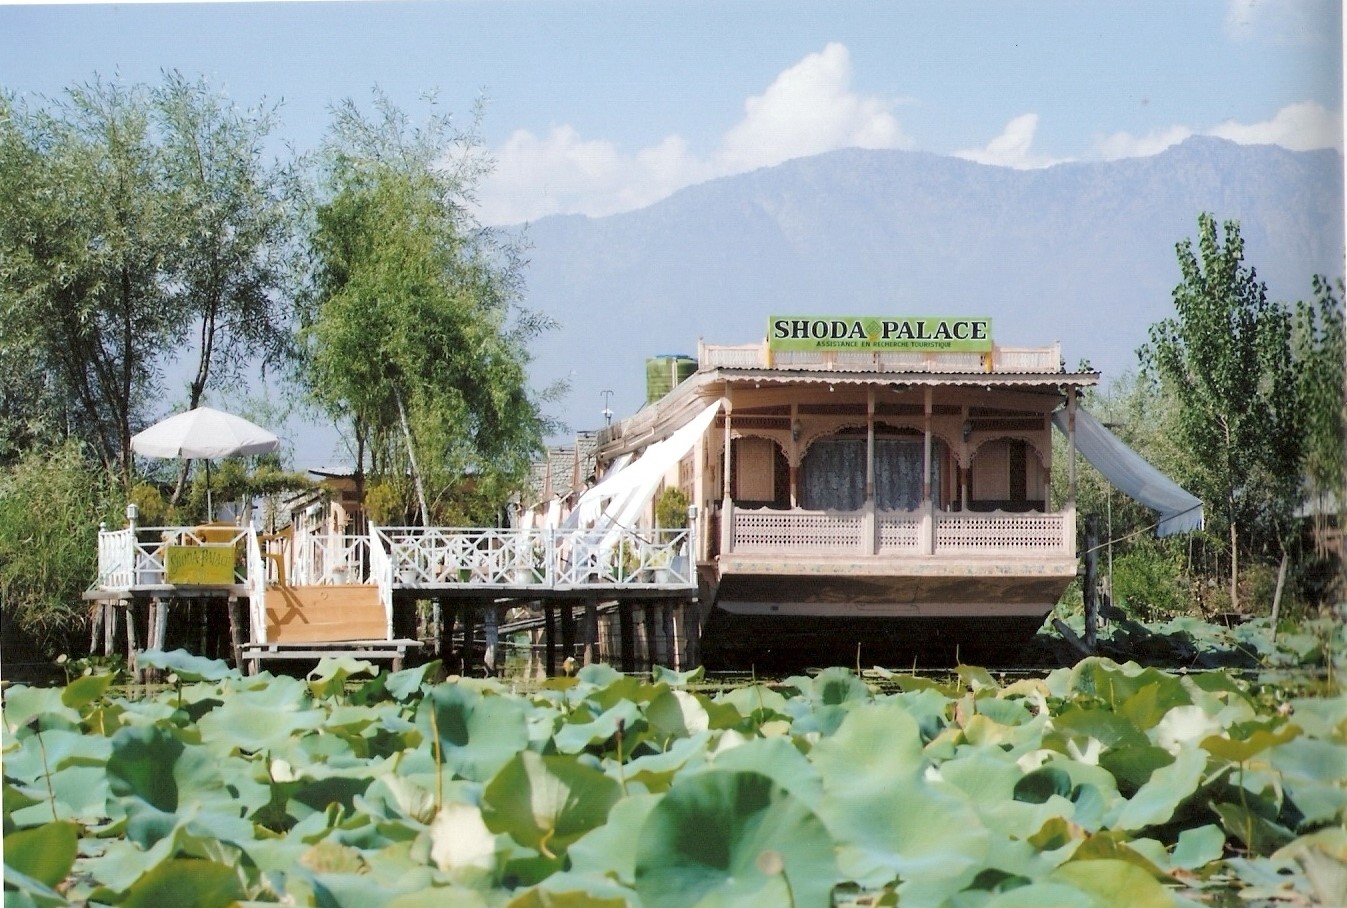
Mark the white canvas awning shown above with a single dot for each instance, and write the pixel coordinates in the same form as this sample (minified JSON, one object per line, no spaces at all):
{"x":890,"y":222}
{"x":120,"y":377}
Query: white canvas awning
{"x":1131,"y":474}
{"x":619,"y":498}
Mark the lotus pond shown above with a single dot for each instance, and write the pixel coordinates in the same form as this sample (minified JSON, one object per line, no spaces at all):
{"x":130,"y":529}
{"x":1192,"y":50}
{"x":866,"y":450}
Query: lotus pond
{"x":1099,"y":785}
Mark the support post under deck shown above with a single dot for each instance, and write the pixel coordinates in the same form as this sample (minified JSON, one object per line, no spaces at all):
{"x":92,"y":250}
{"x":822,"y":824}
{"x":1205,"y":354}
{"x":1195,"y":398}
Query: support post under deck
{"x":567,"y":631}
{"x":627,"y":629}
{"x":469,"y":631}
{"x":549,"y":639}
{"x":591,"y":631}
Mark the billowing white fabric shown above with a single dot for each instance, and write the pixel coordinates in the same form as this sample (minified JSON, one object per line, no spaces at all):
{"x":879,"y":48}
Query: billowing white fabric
{"x":553,"y":518}
{"x":619,"y":498}
{"x":1129,"y":472}
{"x":203,"y":433}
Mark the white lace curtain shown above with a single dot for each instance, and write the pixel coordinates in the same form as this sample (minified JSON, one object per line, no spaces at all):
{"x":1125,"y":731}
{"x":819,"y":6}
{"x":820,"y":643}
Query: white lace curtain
{"x":832,"y":476}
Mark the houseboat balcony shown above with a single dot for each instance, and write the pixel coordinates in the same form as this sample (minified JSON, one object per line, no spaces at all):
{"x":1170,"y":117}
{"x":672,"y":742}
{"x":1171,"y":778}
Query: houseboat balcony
{"x":862,"y":543}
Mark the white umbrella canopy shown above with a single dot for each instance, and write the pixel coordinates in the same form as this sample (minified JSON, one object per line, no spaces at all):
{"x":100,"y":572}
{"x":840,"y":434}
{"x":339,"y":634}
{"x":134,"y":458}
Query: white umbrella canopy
{"x":203,"y":434}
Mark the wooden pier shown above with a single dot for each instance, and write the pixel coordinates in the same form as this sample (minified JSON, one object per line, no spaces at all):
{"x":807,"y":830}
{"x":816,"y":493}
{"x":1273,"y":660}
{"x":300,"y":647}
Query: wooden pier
{"x":395,"y":589}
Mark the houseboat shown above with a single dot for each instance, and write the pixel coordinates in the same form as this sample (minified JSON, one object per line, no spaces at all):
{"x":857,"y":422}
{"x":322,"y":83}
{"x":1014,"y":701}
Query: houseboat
{"x":867,"y":490}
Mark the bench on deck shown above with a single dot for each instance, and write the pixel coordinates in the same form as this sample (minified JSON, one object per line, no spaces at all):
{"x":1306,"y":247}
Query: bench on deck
{"x":314,"y":622}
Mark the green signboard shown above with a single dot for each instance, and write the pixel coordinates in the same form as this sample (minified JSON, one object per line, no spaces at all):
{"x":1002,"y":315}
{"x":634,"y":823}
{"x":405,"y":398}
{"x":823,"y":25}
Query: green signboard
{"x":199,"y":565}
{"x":870,"y":333}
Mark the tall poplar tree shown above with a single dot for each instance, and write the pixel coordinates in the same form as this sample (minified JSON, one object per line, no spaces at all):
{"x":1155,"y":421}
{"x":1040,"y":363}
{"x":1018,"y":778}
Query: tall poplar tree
{"x":418,"y":337}
{"x":1227,"y":356}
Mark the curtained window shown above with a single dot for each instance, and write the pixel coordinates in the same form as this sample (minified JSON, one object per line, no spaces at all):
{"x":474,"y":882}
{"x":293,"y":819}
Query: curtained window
{"x":832,"y":476}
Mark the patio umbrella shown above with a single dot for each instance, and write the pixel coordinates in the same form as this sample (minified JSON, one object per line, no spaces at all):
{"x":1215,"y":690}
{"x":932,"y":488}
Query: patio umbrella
{"x":203,"y":434}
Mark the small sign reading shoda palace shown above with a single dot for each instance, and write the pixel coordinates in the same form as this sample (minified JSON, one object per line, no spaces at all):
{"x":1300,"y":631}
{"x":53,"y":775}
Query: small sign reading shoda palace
{"x":870,"y":333}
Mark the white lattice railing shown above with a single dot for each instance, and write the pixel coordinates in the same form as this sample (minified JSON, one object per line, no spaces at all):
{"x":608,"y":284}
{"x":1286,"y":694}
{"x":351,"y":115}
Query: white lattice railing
{"x":257,"y":589}
{"x":417,"y":557}
{"x":901,"y":533}
{"x":330,"y":558}
{"x":821,"y":531}
{"x":381,"y":573}
{"x":536,"y":558}
{"x":999,"y":531}
{"x":135,"y":556}
{"x":116,"y":559}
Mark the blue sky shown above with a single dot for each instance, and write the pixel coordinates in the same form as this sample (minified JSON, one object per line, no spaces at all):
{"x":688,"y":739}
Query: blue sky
{"x":598,"y":107}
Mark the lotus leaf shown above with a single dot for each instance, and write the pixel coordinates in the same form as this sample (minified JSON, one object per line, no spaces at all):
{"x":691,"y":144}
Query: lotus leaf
{"x":610,"y":849}
{"x":1155,"y":802}
{"x":1323,"y":855}
{"x":1116,"y":883}
{"x":547,"y":802}
{"x":663,"y":675}
{"x":46,"y":705}
{"x":45,"y":853}
{"x":1259,"y":834}
{"x":1198,"y":847}
{"x":780,"y":761}
{"x":573,"y":737}
{"x":656,"y":771}
{"x":1241,"y":750}
{"x":331,"y":674}
{"x":203,"y":884}
{"x":1037,"y":786}
{"x":477,"y":734}
{"x":403,"y":684}
{"x":85,"y":690}
{"x":732,"y":839}
{"x":186,"y":666}
{"x":570,"y":890}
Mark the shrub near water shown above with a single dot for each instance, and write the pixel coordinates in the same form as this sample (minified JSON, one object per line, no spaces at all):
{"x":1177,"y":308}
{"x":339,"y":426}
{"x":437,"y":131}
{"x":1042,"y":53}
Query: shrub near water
{"x":1103,"y":784}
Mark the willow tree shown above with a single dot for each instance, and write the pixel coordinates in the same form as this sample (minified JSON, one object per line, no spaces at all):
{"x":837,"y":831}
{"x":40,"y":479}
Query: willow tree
{"x":418,"y":338}
{"x":1227,"y":357}
{"x":140,"y":221}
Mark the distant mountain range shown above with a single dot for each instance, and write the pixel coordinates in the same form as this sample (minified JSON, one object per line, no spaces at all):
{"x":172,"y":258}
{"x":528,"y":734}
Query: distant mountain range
{"x":1081,"y":253}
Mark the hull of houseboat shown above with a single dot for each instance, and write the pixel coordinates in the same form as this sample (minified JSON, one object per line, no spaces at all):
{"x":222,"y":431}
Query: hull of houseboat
{"x":986,"y":613}
{"x":776,"y":644}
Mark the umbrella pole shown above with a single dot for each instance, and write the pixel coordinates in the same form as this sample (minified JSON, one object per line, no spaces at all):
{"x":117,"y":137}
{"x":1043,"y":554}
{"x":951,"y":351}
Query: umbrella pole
{"x":210,"y":511}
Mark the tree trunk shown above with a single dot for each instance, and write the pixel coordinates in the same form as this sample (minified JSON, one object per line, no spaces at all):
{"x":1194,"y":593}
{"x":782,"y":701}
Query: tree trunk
{"x":411,"y":456}
{"x":1234,"y":568}
{"x":1277,"y":596}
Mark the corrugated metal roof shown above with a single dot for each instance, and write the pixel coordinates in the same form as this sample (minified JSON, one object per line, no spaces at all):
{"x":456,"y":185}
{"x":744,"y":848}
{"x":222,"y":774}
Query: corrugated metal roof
{"x":914,"y":379}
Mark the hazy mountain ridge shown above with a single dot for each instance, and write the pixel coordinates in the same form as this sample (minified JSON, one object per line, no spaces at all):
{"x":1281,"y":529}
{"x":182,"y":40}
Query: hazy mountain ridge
{"x":1081,"y":253}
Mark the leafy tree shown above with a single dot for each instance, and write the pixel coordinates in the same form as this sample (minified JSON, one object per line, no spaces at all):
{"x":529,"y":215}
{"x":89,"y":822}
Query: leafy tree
{"x":83,"y":246}
{"x":1226,"y":357}
{"x":1320,"y":358}
{"x":417,"y":336}
{"x":139,"y":222}
{"x":233,"y":267}
{"x":51,"y":501}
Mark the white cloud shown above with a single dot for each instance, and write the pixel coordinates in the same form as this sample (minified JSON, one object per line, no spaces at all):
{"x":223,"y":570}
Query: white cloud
{"x":1012,"y":148}
{"x":1126,"y":145}
{"x":1302,"y":126}
{"x":565,"y":173}
{"x":810,"y":108}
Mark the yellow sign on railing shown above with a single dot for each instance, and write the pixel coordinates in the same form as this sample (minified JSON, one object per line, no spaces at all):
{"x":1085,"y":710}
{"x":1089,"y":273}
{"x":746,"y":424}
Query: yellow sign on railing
{"x":199,"y":565}
{"x":882,"y":332}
